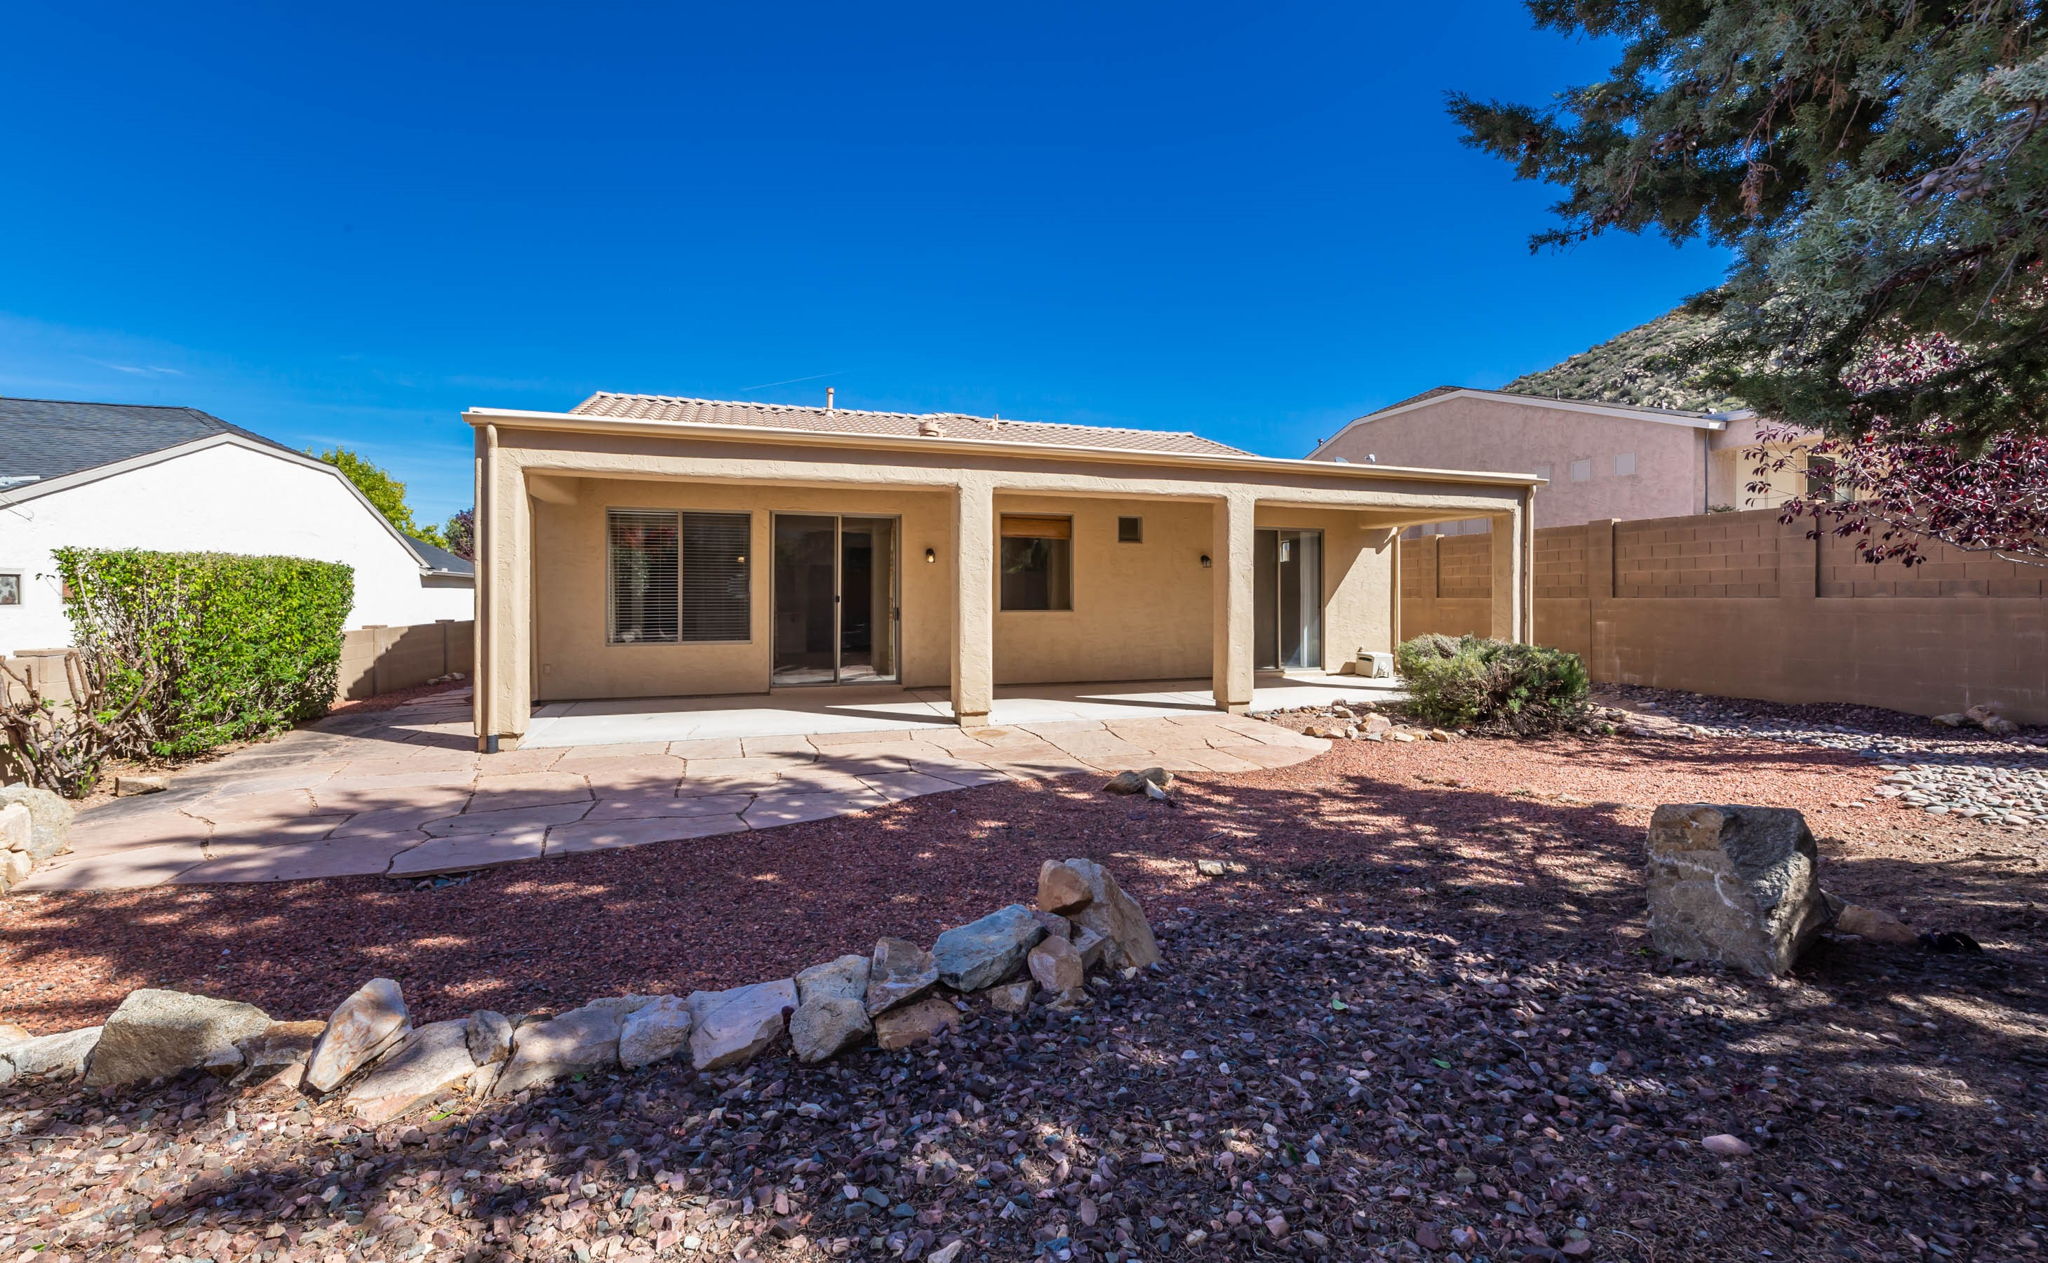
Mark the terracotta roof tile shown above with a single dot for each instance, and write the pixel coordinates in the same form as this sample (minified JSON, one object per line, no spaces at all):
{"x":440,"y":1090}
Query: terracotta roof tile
{"x":893,"y":424}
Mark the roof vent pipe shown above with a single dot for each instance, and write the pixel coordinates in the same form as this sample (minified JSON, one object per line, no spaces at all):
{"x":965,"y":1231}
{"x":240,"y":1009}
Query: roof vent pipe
{"x":828,"y":399}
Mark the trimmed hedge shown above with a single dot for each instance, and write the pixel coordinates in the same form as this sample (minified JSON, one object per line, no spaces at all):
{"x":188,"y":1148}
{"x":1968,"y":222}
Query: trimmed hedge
{"x":228,"y":647}
{"x":1493,"y":685}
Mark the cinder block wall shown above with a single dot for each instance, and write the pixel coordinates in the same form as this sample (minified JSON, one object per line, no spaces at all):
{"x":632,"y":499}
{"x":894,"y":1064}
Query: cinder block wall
{"x":1741,"y":605}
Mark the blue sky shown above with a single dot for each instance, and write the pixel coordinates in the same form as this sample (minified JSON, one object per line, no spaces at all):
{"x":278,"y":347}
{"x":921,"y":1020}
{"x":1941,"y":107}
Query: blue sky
{"x":345,"y":224}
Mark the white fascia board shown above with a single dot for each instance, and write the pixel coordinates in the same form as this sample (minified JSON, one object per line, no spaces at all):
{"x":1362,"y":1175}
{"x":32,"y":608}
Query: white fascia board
{"x":1619,"y":411}
{"x":113,"y":469}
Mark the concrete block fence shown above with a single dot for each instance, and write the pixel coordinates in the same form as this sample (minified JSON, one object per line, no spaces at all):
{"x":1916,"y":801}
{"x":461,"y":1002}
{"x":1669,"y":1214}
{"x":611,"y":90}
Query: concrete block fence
{"x":1742,"y":605}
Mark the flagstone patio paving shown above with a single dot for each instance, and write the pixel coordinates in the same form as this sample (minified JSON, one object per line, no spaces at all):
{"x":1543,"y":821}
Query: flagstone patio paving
{"x":400,"y":792}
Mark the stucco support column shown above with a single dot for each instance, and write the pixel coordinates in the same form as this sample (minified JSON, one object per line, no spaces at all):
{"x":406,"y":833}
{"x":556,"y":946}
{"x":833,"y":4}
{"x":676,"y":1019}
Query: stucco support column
{"x":1512,"y":545}
{"x":504,"y":689}
{"x":1232,"y":568}
{"x":974,"y":601}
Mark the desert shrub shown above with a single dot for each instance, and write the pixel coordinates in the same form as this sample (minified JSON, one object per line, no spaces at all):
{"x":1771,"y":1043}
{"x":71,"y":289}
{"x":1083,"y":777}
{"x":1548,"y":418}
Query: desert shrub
{"x":217,"y":647}
{"x":1492,"y":685}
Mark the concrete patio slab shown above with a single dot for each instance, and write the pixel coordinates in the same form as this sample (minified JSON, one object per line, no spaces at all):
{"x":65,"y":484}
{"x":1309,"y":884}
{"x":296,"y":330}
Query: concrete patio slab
{"x":372,"y":793}
{"x":465,"y":852}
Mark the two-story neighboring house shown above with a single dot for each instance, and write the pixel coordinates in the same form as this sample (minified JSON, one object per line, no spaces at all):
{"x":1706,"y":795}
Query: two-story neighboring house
{"x":1611,"y":432}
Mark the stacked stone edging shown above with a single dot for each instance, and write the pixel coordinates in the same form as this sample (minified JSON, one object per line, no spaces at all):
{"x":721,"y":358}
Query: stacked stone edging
{"x":370,"y":1055}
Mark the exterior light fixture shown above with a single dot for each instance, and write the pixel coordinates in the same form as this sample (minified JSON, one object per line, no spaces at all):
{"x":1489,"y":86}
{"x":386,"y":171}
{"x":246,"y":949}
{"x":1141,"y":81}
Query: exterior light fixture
{"x":1206,"y":563}
{"x":931,"y":555}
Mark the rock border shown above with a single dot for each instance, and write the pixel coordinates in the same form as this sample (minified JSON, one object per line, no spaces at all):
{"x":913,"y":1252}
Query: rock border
{"x":368,"y":1055}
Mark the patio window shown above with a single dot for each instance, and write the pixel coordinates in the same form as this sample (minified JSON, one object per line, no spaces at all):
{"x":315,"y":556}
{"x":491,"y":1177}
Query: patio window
{"x":10,"y":589}
{"x":717,"y":601}
{"x":645,"y":569}
{"x":1037,"y":563}
{"x":679,"y":577}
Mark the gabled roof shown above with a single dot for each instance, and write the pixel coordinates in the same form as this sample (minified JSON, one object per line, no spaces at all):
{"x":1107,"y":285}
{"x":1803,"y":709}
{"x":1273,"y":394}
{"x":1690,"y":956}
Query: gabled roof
{"x":48,"y":446}
{"x":893,"y":424}
{"x":48,"y":438}
{"x":1625,"y":412}
{"x":439,"y":560}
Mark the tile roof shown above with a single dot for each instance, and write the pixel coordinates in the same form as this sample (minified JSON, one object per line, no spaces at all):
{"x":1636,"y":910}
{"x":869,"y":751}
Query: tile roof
{"x":48,"y":438}
{"x":894,"y":424}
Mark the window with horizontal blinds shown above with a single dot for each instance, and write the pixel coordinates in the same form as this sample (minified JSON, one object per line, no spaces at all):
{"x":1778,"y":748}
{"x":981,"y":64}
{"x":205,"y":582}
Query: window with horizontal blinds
{"x":644,"y":572}
{"x":717,"y":600}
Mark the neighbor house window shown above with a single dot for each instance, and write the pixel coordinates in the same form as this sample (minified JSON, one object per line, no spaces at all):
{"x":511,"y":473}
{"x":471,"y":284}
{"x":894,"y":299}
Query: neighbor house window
{"x":1037,"y":563}
{"x":678,"y":576}
{"x":1130,"y":530}
{"x":1624,"y":464}
{"x":1581,"y":470}
{"x":10,"y":589}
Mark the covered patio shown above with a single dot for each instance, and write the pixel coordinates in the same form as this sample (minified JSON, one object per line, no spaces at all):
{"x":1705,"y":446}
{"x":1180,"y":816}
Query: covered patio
{"x":655,"y":568}
{"x":884,"y":709}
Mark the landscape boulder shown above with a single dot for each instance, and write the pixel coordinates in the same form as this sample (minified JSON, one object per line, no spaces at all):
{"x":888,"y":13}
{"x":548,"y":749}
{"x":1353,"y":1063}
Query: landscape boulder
{"x":363,"y":1026}
{"x":1873,"y":924}
{"x":1116,"y":916}
{"x":60,"y":1056}
{"x":655,"y":1031}
{"x":426,"y":1063}
{"x":1734,"y":884}
{"x":155,"y":1034}
{"x":915,"y":1023}
{"x":831,"y":1008}
{"x":488,"y":1034}
{"x":278,"y":1044}
{"x":844,"y":976}
{"x":1056,"y":965}
{"x":1061,"y":889}
{"x":986,"y":951}
{"x":899,"y":972}
{"x":1011,"y":997}
{"x":579,"y":1041}
{"x":732,"y":1026}
{"x":1135,"y":782}
{"x":826,"y":1025}
{"x":49,"y":818}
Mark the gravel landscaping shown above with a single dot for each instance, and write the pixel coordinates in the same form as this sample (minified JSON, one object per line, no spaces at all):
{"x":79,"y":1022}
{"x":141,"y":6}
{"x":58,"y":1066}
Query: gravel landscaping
{"x":1414,"y":1017}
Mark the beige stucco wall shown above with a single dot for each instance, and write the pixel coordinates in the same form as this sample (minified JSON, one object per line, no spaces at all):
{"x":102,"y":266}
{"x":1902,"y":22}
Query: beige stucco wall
{"x":1141,"y":611}
{"x":572,"y":659}
{"x":1492,"y":433}
{"x":1359,"y":600}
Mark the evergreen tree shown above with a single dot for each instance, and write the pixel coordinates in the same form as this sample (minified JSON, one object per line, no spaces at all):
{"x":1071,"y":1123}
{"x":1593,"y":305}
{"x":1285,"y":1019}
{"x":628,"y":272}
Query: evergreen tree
{"x":1880,"y":170}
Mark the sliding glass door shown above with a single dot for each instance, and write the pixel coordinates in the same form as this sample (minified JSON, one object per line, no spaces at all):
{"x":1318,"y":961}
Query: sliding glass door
{"x":1287,"y":622}
{"x":835,"y":599}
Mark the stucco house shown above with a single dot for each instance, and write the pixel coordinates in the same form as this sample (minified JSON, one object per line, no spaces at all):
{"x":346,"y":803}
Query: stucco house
{"x":641,"y":546}
{"x":134,"y":476}
{"x":1602,"y":459}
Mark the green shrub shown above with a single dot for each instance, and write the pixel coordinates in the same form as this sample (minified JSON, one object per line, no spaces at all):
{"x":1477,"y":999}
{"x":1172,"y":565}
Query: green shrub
{"x":1492,"y":685}
{"x":221,"y":647}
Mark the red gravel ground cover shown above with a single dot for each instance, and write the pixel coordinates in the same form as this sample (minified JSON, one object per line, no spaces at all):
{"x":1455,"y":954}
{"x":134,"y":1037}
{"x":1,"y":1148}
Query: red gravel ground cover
{"x":1419,"y":1022}
{"x":1551,"y":830}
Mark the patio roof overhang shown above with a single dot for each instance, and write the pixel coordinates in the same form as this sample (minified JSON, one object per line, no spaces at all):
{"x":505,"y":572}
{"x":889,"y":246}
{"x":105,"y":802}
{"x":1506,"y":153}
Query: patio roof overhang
{"x":1267,"y":466}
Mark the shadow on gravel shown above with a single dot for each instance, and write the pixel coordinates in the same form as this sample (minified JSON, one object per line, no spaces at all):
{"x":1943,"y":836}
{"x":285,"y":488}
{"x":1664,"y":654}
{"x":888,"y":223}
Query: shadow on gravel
{"x":1490,"y":945}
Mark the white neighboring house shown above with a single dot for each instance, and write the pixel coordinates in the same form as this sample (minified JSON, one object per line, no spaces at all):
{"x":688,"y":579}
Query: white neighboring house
{"x":105,"y":475}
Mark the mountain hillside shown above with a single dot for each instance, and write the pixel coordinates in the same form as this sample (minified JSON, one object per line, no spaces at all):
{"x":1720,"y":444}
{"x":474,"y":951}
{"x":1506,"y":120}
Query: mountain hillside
{"x":1643,"y":366}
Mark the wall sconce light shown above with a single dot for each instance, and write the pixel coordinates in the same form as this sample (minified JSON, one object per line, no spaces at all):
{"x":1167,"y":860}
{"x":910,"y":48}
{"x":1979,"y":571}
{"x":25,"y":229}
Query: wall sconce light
{"x":1206,"y":563}
{"x":931,"y":555}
